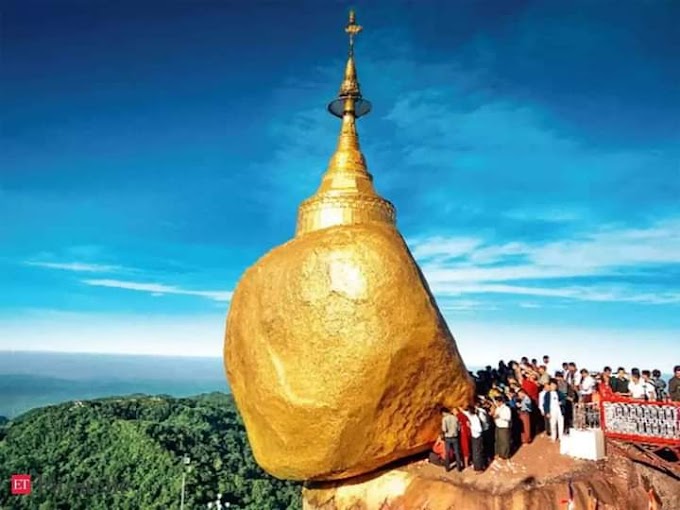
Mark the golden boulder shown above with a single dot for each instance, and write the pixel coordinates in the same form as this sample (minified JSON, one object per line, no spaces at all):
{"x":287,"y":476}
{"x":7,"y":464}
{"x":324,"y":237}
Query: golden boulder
{"x":335,"y":350}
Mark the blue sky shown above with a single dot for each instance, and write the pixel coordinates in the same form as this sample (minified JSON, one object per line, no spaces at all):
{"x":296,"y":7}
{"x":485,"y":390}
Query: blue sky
{"x":151,"y":151}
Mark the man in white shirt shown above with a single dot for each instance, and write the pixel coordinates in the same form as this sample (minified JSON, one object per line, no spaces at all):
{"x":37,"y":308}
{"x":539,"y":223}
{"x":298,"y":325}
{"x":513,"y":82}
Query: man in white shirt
{"x":503,"y":419}
{"x":575,"y":375}
{"x":548,"y":367}
{"x":476,"y":431}
{"x":636,"y":387}
{"x":649,"y":386}
{"x":587,"y":386}
{"x":553,"y":407}
{"x":487,"y":433}
{"x":641,"y":389}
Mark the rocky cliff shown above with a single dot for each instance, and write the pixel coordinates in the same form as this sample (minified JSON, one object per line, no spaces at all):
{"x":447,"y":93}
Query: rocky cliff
{"x":537,"y":478}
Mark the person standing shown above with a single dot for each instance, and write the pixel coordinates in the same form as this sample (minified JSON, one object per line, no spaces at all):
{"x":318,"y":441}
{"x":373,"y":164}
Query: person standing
{"x":576,"y":375}
{"x":659,"y":385}
{"x":548,"y":367}
{"x":565,"y":389}
{"x":487,"y":433}
{"x":503,"y":421}
{"x":640,"y":388}
{"x":586,"y":387}
{"x":674,"y":385}
{"x":464,"y":437}
{"x":476,"y":438}
{"x":573,"y":377}
{"x":562,"y":384}
{"x":568,"y":374}
{"x":541,"y":399}
{"x":619,"y":384}
{"x":605,"y":379}
{"x":451,"y":431}
{"x":525,"y":409}
{"x":530,"y":385}
{"x":554,"y":406}
{"x":649,"y":387}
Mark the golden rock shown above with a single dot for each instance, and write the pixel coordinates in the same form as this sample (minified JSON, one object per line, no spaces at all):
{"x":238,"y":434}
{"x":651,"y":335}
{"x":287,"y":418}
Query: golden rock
{"x":335,"y":350}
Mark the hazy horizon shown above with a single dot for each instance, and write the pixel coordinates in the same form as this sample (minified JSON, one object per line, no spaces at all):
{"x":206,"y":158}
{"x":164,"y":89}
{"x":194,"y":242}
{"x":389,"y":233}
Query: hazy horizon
{"x":36,"y":379}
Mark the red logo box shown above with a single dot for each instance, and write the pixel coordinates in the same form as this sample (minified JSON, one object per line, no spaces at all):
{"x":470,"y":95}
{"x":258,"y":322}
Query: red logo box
{"x":20,"y":484}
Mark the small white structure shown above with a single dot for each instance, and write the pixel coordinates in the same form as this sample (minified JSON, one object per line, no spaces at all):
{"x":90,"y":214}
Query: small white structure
{"x":585,"y":444}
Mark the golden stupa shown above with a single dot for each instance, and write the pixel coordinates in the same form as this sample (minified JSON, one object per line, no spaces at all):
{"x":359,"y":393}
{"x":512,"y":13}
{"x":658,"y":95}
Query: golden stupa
{"x":335,"y":350}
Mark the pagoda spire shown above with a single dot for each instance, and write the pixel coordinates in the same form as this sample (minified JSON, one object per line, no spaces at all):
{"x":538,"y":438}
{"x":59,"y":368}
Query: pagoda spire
{"x":346,"y":195}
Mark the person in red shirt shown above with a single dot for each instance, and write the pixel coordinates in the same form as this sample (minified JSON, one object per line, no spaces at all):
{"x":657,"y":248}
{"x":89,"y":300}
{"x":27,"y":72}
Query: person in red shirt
{"x":604,"y":389}
{"x":465,"y":437}
{"x":530,"y":385}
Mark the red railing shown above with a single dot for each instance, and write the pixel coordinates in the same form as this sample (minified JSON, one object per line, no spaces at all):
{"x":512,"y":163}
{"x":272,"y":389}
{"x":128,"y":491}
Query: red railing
{"x":640,"y":421}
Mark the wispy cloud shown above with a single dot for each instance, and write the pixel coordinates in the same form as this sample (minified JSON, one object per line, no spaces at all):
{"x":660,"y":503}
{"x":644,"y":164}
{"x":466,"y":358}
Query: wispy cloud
{"x":159,"y":289}
{"x":549,"y":214}
{"x":465,"y":265}
{"x":464,"y":305}
{"x":84,"y":267}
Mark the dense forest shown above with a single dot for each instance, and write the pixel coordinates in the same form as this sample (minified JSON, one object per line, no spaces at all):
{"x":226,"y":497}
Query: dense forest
{"x":128,"y":453}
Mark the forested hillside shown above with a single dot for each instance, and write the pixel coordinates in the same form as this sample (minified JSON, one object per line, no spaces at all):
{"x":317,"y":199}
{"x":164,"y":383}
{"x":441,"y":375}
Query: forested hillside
{"x":126,"y":453}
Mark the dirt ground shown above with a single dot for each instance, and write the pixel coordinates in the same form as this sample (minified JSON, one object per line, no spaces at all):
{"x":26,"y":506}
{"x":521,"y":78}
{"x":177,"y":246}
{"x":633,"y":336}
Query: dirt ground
{"x":536,"y":464}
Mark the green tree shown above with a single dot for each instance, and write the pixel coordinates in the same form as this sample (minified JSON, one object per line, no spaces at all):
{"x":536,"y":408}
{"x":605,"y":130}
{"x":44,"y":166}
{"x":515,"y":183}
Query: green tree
{"x":126,"y":452}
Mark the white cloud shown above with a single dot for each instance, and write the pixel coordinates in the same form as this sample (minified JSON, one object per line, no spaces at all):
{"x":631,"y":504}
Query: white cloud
{"x":83,"y":267}
{"x":620,"y":293}
{"x":159,"y":289}
{"x":464,"y":305}
{"x":551,"y":214}
{"x":464,"y":265}
{"x":449,"y":247}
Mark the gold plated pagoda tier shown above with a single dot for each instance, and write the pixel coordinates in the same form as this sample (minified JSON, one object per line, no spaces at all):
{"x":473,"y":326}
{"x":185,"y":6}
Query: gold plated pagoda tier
{"x":336,"y":353}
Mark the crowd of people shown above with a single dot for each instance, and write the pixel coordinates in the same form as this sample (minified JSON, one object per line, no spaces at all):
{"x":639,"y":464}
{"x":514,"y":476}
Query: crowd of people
{"x":518,"y":400}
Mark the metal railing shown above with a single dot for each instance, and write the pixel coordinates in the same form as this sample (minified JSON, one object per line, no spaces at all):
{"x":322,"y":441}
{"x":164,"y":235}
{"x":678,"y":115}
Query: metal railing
{"x":633,"y":420}
{"x":649,"y":422}
{"x":586,"y":416}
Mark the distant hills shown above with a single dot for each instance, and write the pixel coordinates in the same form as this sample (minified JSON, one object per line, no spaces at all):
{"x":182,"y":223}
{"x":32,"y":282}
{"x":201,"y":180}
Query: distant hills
{"x":37,"y":379}
{"x":126,"y":453}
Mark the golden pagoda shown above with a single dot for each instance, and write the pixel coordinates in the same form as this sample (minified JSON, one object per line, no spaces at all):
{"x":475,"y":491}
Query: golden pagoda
{"x":346,"y":195}
{"x":336,"y":353}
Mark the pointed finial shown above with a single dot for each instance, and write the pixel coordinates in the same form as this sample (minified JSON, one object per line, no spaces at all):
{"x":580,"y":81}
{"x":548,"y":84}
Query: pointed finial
{"x":349,"y":98}
{"x":352,"y":29}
